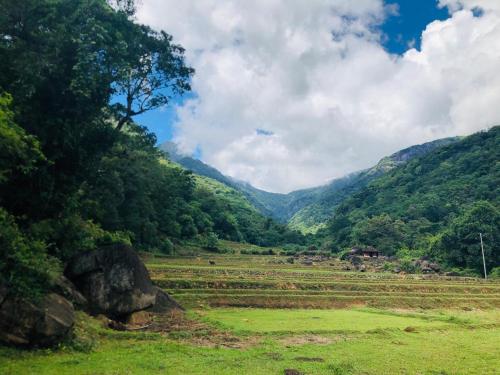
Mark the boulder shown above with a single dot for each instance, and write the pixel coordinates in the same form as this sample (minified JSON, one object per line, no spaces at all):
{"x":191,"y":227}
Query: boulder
{"x":164,"y":303}
{"x":435,"y":267}
{"x":113,"y":279}
{"x":42,"y":324}
{"x":68,"y":290}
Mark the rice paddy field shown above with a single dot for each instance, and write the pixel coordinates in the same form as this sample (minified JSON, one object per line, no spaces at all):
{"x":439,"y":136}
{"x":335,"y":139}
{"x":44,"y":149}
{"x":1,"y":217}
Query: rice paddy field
{"x":259,"y":314}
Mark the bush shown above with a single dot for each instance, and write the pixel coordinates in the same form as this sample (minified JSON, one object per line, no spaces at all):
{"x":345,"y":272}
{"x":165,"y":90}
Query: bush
{"x":167,"y":247}
{"x":210,"y":241}
{"x":25,"y":267}
{"x":408,"y":266}
{"x":495,"y":273}
{"x":388,"y":267}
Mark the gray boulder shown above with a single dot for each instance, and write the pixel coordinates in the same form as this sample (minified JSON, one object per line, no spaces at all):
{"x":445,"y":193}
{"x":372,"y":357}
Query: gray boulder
{"x":68,"y":290}
{"x":42,"y":324}
{"x":113,"y":279}
{"x":164,"y":303}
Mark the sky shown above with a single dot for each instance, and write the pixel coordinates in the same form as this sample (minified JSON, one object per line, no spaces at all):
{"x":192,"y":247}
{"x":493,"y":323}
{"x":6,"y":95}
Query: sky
{"x":290,"y":94}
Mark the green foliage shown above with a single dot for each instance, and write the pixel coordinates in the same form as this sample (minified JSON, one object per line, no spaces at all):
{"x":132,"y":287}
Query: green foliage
{"x":25,"y":267}
{"x":19,"y":152}
{"x":211,"y":241}
{"x":438,"y":202}
{"x":495,"y":273}
{"x":459,"y":244}
{"x":380,"y":231}
{"x":229,"y":214}
{"x":77,"y":73}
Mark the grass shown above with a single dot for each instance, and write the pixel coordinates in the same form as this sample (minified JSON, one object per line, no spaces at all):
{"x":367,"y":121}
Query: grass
{"x":388,"y":324}
{"x":316,"y":321}
{"x":445,"y":349}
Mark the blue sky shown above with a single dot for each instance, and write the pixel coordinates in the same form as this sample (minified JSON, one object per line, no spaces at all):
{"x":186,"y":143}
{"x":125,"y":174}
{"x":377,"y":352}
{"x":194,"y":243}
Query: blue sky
{"x":400,"y":31}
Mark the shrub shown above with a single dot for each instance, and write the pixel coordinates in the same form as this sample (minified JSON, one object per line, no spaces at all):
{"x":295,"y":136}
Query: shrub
{"x":210,"y":241}
{"x":25,"y":267}
{"x":495,"y":273}
{"x":408,"y":266}
{"x":167,"y":247}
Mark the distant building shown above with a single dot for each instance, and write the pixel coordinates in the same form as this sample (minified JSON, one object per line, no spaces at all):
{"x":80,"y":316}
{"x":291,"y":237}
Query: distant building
{"x":370,"y":252}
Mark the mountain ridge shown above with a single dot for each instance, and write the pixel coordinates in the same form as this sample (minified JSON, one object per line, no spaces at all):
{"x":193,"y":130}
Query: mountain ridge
{"x":305,"y":209}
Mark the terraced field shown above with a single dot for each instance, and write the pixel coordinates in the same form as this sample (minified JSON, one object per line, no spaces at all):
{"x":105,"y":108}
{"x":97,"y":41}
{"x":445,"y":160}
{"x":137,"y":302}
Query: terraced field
{"x":268,"y":281}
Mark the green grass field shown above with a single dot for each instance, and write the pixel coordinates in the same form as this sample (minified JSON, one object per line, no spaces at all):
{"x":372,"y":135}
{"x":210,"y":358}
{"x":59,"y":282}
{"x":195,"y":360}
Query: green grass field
{"x":336,"y":322}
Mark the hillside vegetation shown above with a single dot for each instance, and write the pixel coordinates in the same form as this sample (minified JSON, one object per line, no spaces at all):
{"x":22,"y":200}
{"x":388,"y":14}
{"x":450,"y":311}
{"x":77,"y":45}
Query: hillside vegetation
{"x":436,"y":204}
{"x":306,"y":210}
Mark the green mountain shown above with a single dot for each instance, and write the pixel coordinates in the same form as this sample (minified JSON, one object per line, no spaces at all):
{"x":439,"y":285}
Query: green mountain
{"x":305,"y":210}
{"x":437,"y":203}
{"x":314,"y":215}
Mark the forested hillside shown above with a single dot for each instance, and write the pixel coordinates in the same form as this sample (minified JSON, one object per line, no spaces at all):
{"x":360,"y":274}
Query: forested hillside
{"x":436,"y":204}
{"x":314,"y":215}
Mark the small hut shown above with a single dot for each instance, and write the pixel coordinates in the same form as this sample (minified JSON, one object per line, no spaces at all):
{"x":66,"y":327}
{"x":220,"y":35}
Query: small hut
{"x":370,"y":252}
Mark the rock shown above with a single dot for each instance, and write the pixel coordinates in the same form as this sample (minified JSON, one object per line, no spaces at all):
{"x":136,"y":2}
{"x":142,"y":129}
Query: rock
{"x":66,"y":288}
{"x":164,"y":303}
{"x":396,"y":270}
{"x":435,"y":267}
{"x":113,"y":279}
{"x":42,"y":324}
{"x":427,"y":270}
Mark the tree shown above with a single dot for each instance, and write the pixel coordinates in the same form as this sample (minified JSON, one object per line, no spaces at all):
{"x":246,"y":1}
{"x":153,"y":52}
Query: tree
{"x":380,"y":231}
{"x":151,"y":72}
{"x":459,"y":245}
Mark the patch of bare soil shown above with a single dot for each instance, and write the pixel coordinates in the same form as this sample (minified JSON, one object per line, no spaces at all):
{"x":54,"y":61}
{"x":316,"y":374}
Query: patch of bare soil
{"x":176,"y":325}
{"x":310,"y":339}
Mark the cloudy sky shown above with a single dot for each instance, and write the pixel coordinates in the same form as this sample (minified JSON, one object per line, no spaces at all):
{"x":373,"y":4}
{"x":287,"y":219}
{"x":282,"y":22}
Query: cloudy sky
{"x":292,"y":93}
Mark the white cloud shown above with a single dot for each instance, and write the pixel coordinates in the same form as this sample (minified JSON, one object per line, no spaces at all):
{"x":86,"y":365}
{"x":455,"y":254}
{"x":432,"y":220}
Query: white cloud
{"x":313,"y":73}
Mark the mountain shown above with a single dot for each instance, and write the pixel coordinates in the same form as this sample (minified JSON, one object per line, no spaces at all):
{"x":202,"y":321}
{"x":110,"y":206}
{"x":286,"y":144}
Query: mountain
{"x":267,"y":203}
{"x":312,"y":216}
{"x":439,"y":202}
{"x":308,"y":209}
